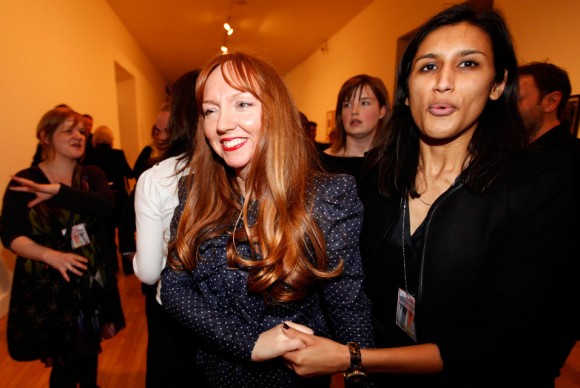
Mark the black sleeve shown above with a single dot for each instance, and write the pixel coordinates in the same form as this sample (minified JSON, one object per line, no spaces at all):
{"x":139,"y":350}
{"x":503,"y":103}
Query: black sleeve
{"x":141,"y":164}
{"x":14,"y":221}
{"x":97,"y":200}
{"x":127,"y":226}
{"x":127,"y":170}
{"x":524,"y":314}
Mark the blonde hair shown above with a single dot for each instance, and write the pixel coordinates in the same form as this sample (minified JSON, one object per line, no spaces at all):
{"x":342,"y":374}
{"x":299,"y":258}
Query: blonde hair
{"x":288,"y":247}
{"x":103,"y":135}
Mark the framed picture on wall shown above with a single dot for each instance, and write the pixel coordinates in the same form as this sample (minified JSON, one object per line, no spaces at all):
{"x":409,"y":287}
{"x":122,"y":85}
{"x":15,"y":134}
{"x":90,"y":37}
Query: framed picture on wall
{"x":330,"y":124}
{"x":572,"y":114}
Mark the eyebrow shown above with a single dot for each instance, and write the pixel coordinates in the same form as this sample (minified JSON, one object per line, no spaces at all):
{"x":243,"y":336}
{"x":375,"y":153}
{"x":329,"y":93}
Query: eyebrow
{"x":234,"y":96}
{"x":462,"y":53}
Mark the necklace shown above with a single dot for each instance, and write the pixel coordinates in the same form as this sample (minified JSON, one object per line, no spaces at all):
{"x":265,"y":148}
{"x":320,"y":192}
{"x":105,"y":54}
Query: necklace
{"x":403,"y":244}
{"x":425,"y":203}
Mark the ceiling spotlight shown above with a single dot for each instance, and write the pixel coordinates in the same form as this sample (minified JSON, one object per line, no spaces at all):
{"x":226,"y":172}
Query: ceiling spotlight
{"x":227,"y":27}
{"x":224,"y":50}
{"x":230,"y":31}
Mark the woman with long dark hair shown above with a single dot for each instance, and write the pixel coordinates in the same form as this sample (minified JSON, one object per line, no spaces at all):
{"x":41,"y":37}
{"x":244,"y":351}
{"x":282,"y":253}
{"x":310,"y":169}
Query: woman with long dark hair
{"x":169,"y":345}
{"x":466,"y":241}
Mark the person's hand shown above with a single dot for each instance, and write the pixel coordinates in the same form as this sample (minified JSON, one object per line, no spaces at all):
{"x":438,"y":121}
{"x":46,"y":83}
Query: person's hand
{"x":273,"y":343}
{"x":65,"y":262}
{"x":319,"y":356}
{"x":43,"y":191}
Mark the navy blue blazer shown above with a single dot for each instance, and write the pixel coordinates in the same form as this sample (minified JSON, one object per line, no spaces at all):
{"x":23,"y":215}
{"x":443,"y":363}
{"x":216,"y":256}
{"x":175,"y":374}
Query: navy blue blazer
{"x":213,"y":300}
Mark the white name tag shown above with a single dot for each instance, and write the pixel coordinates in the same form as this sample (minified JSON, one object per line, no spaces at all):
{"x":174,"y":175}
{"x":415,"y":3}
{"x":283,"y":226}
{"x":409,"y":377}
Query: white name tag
{"x":79,"y":236}
{"x":406,"y":313}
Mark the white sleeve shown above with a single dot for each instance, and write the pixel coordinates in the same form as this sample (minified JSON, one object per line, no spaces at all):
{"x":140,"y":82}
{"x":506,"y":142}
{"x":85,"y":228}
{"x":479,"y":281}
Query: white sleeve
{"x":149,"y":259}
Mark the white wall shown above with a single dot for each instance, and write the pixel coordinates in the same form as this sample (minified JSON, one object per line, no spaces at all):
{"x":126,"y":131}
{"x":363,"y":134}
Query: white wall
{"x":64,"y":51}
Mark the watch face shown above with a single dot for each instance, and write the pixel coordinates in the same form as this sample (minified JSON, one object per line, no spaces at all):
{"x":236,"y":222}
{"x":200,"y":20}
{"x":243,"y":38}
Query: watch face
{"x":355,"y":376}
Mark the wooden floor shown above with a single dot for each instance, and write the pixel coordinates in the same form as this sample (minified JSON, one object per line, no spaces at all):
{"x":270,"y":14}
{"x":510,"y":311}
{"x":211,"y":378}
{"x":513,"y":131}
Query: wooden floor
{"x":122,"y":363}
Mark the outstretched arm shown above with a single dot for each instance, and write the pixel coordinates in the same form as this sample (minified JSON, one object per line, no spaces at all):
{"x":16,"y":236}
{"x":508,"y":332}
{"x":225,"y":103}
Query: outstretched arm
{"x":97,"y":200}
{"x":322,"y":356}
{"x":43,"y":191}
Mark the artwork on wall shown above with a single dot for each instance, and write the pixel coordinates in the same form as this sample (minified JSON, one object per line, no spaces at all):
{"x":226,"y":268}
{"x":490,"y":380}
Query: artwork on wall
{"x":330,"y":124}
{"x":572,"y":114}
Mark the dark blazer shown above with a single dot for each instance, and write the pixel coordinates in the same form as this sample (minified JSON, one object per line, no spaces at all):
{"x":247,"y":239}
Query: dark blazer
{"x":493,"y":280}
{"x":144,"y":161}
{"x":213,"y":300}
{"x":560,"y":138}
{"x":114,"y":163}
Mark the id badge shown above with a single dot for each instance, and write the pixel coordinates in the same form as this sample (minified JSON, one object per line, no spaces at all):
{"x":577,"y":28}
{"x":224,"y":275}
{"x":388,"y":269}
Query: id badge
{"x":79,"y":236}
{"x":406,"y":313}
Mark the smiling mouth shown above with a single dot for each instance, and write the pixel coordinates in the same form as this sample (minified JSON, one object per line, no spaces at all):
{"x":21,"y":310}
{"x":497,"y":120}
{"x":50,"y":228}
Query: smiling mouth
{"x":233,"y":144}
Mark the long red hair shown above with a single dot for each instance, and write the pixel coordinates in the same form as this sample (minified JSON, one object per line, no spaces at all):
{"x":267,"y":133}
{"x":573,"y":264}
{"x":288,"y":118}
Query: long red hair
{"x":289,"y":244}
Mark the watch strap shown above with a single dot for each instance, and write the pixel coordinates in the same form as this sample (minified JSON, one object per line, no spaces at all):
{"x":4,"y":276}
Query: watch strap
{"x":355,"y":374}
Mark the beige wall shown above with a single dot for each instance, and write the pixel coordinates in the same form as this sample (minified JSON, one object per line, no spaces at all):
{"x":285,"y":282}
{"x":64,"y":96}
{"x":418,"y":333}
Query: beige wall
{"x":64,"y":51}
{"x":546,"y":30}
{"x":541,"y":29}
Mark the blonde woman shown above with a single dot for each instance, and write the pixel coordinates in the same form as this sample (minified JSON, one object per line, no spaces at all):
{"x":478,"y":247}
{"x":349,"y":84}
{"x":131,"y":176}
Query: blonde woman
{"x":64,"y":297}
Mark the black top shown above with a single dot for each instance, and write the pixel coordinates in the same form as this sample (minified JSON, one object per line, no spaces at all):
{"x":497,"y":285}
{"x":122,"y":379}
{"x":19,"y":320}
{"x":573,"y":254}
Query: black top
{"x":114,"y":163}
{"x":144,"y":161}
{"x":343,"y":165}
{"x":98,"y":200}
{"x":494,"y":279}
{"x":92,"y":300}
{"x":561,"y":139}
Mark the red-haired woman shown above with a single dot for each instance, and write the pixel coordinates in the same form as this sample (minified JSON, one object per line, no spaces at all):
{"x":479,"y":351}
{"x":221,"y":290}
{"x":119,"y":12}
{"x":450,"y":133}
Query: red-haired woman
{"x":263,"y":237}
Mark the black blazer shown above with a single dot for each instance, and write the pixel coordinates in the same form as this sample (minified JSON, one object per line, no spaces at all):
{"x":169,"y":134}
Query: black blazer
{"x":495,"y":280}
{"x":114,"y":163}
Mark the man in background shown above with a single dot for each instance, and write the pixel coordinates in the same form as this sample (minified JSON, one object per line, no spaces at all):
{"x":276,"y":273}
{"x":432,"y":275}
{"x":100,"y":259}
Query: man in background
{"x":544,"y":92}
{"x":88,"y":127}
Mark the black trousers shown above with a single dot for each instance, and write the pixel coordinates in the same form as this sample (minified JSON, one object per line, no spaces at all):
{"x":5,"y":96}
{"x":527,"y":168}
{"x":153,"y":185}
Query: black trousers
{"x":171,"y":349}
{"x":82,"y":372}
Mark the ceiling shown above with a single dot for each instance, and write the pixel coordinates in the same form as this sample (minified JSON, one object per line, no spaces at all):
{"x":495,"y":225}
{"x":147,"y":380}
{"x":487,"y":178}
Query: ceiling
{"x":181,"y":35}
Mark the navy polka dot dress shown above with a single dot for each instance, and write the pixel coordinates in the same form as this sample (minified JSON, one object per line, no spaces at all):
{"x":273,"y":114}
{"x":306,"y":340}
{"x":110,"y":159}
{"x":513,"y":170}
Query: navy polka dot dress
{"x":214,"y":303}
